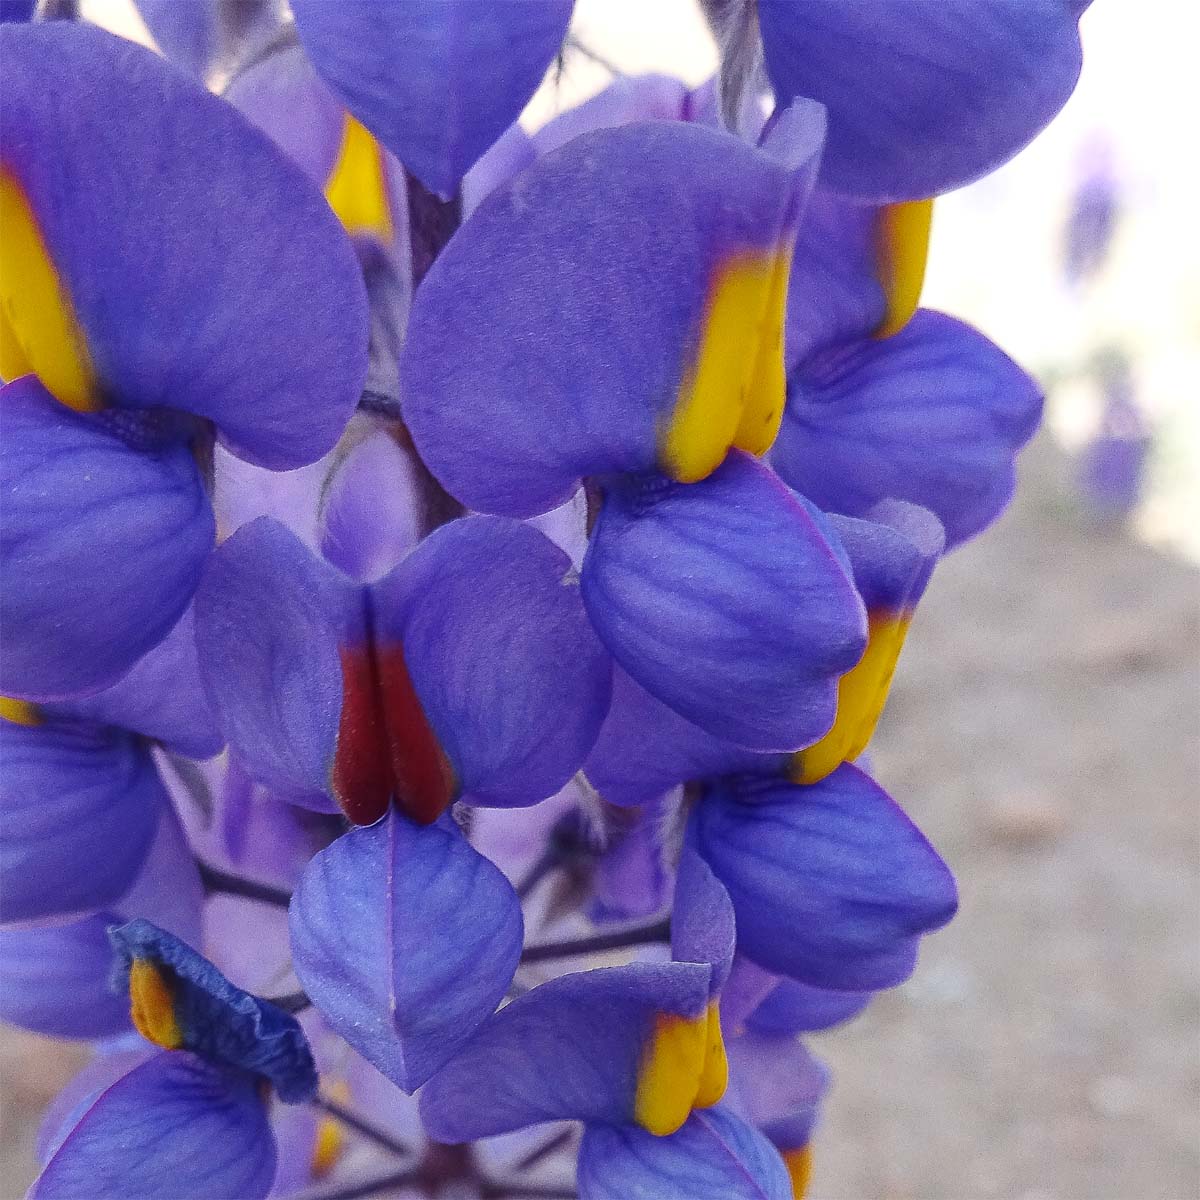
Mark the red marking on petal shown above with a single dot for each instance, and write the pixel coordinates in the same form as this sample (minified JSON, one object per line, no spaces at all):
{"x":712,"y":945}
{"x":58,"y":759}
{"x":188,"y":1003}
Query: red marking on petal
{"x":386,"y":747}
{"x":362,"y":769}
{"x":422,"y":775}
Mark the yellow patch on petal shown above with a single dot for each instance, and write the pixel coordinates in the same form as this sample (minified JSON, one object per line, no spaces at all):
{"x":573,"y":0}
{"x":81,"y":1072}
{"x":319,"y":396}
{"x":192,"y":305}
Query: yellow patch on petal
{"x":799,"y":1167}
{"x":902,"y":251}
{"x":714,"y":1076}
{"x":357,"y":188}
{"x":19,"y":712}
{"x":862,"y":693}
{"x":38,"y":330}
{"x":733,"y":393}
{"x":683,"y":1067}
{"x":152,"y":1006}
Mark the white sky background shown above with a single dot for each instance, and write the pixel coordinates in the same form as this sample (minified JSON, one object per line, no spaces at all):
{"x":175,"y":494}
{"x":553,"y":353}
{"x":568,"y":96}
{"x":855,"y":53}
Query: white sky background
{"x":996,"y":245}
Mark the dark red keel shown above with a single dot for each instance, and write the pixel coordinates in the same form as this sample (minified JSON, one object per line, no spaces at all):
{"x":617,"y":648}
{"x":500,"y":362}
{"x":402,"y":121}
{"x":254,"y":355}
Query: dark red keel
{"x":386,"y":748}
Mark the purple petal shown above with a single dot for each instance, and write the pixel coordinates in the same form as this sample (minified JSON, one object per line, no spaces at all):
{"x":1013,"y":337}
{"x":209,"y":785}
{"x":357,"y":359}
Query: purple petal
{"x":569,"y":1049}
{"x":174,"y":1126}
{"x":723,"y":600}
{"x":285,"y":97}
{"x":934,"y":415}
{"x":80,"y":807}
{"x":715,"y":1156}
{"x":922,"y":98}
{"x":372,"y":511}
{"x":834,"y":294}
{"x":507,"y":669}
{"x":161,"y":698}
{"x":624,"y":238}
{"x":406,"y":939}
{"x":793,"y":1007}
{"x":436,"y":83}
{"x":201,"y":35}
{"x":56,"y":980}
{"x":779,"y":1086}
{"x":627,"y":99}
{"x":645,"y":749}
{"x":831,"y":884}
{"x":269,"y":616}
{"x":203,"y":1012}
{"x":702,"y":923}
{"x":167,"y":258}
{"x":102,"y":546}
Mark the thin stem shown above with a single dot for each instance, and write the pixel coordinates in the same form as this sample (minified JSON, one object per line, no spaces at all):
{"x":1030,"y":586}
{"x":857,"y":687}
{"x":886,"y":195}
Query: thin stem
{"x":365,"y":1187}
{"x":353,"y":1121}
{"x":552,"y":1146}
{"x":216,"y":880}
{"x":514,"y":1189}
{"x":573,"y":43}
{"x":638,"y":935}
{"x":546,"y":863}
{"x":292,"y":1002}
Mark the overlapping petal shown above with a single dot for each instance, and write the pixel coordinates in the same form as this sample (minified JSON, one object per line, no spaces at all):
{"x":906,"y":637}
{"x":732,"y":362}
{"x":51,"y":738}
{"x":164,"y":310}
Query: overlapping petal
{"x":436,"y":83}
{"x":922,"y":98}
{"x":405,"y":938}
{"x":80,"y":807}
{"x":667,"y":244}
{"x":892,"y":556}
{"x":269,"y":618}
{"x":173,"y":303}
{"x":934,"y":415}
{"x":56,"y":980}
{"x":503,"y":660}
{"x":723,"y":600}
{"x":715,"y":1156}
{"x":702,"y":920}
{"x":779,"y":1086}
{"x":645,"y":749}
{"x":175,"y":1125}
{"x":102,"y":545}
{"x":831,"y":884}
{"x":180,"y":1001}
{"x":372,"y":512}
{"x":572,"y":1048}
{"x":793,"y":1007}
{"x":162,"y":698}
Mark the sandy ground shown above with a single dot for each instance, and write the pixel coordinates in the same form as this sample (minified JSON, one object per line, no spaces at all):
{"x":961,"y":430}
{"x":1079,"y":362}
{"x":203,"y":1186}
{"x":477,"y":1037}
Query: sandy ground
{"x":1045,"y":733}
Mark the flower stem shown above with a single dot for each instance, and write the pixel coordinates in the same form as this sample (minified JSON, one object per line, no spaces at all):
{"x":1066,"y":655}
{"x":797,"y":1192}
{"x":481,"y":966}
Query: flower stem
{"x":637,"y":935}
{"x":216,"y":880}
{"x":371,"y":1132}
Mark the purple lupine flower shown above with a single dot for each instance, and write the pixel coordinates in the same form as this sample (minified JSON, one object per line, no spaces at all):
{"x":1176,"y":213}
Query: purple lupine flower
{"x":508,"y":747}
{"x":146,"y":331}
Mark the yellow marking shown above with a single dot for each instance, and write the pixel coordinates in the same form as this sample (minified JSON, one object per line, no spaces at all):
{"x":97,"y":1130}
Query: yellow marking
{"x":862,"y":693}
{"x":357,"y":187}
{"x":670,"y":1072}
{"x":152,"y":1006}
{"x":19,"y":712}
{"x":733,"y":394}
{"x":799,"y":1166}
{"x":714,"y":1076}
{"x":328,"y":1146}
{"x":901,"y":254}
{"x":763,"y":410}
{"x":683,"y":1067}
{"x":40,"y":334}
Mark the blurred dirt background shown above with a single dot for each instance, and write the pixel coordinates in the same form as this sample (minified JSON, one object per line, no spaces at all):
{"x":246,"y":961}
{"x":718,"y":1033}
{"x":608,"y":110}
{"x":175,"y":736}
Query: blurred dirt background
{"x":1044,"y":732}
